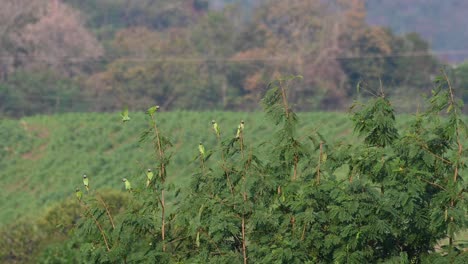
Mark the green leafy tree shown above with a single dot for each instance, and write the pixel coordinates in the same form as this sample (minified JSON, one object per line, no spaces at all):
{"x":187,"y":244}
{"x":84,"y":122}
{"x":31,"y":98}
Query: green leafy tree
{"x":144,"y":230}
{"x":391,"y":197}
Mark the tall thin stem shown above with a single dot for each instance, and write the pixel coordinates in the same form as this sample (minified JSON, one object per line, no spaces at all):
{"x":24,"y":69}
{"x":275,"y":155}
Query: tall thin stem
{"x":159,"y":147}
{"x":319,"y":162}
{"x":101,"y":231}
{"x":244,"y":195}
{"x":285,"y":99}
{"x":98,"y":225}
{"x":452,"y":104}
{"x":223,"y":158}
{"x":163,"y":224}
{"x":296,"y":161}
{"x":303,"y":232}
{"x":162,"y":174}
{"x":457,"y":130}
{"x":244,"y":249}
{"x":107,"y":210}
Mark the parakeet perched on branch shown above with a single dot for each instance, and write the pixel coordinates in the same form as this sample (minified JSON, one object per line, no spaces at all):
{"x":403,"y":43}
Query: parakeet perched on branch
{"x":201,"y":149}
{"x":216,"y":128}
{"x":78,"y":194}
{"x":153,"y":109}
{"x":149,"y":177}
{"x":128,"y":186}
{"x":124,"y":115}
{"x":240,"y":129}
{"x":86,"y":182}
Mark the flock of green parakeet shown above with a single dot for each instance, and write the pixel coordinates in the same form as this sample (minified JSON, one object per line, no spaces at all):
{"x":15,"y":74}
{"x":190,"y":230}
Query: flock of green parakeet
{"x":149,"y":173}
{"x":127,"y":184}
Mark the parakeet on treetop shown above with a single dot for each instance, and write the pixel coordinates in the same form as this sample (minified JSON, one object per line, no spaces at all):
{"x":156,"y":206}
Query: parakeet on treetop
{"x":240,"y":129}
{"x":149,"y":177}
{"x":216,"y":128}
{"x":86,"y":182}
{"x":153,"y":109}
{"x":124,"y":115}
{"x":78,"y":194}
{"x":128,"y":186}
{"x":201,"y":149}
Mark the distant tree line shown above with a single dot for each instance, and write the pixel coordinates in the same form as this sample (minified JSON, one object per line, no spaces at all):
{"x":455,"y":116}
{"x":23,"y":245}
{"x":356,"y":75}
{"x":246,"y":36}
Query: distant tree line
{"x":91,"y":55}
{"x":445,"y":36}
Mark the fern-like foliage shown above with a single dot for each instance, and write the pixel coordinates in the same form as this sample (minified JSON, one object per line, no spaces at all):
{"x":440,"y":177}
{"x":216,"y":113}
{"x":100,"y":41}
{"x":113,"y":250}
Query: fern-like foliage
{"x":298,"y":198}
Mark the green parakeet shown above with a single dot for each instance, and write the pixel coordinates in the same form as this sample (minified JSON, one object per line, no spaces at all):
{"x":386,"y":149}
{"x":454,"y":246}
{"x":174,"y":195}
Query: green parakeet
{"x":216,"y":128}
{"x":124,"y":115}
{"x":149,"y":177}
{"x":240,"y":129}
{"x":128,"y":186}
{"x":201,"y":148}
{"x":86,"y":182}
{"x":153,"y":109}
{"x":324,"y":156}
{"x":78,"y":194}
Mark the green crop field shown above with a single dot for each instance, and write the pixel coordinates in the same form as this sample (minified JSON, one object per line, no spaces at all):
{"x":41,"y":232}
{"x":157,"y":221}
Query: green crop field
{"x":43,"y":157}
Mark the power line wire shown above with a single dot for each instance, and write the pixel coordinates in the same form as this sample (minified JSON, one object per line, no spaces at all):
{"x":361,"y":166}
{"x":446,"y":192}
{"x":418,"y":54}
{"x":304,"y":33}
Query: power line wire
{"x":196,"y":60}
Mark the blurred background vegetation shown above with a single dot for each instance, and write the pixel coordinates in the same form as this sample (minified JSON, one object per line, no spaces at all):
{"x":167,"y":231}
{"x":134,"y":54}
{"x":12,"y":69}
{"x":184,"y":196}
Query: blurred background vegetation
{"x":88,"y":55}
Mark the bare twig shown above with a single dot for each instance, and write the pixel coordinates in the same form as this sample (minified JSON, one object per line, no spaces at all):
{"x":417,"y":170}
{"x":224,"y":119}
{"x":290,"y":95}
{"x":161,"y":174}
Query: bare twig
{"x":162,"y":174}
{"x":457,"y":130}
{"x":100,"y":230}
{"x":285,"y":99}
{"x":98,"y":225}
{"x":296,"y":161}
{"x":223,"y":158}
{"x":303,"y":232}
{"x":244,"y":250}
{"x":107,"y":210}
{"x":460,"y":147}
{"x":431,"y":183}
